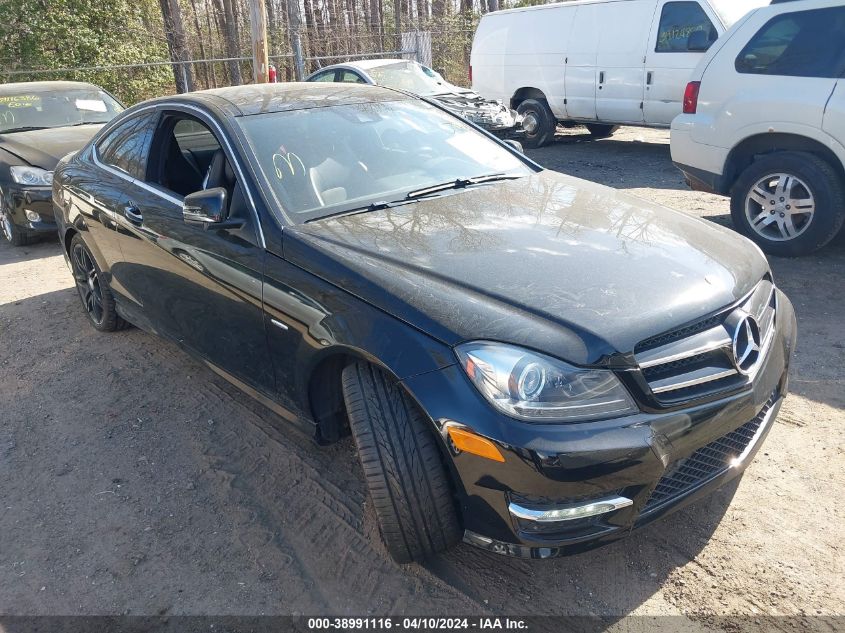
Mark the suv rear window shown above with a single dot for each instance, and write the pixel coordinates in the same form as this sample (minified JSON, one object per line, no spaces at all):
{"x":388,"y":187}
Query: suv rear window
{"x":800,"y":44}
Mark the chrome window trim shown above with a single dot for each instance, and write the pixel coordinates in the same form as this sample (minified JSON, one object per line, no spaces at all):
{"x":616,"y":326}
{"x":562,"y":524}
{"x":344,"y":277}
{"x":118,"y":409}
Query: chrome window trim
{"x":129,"y":178}
{"x":221,"y":137}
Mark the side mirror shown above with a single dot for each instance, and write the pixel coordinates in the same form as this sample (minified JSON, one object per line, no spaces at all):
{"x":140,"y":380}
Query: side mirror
{"x":698,"y":42}
{"x":207,"y":206}
{"x":515,"y":145}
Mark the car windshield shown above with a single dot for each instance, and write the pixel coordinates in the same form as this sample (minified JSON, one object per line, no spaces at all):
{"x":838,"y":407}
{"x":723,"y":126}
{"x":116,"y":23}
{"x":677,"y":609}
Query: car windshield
{"x":39,"y":109}
{"x":408,"y":76}
{"x":329,"y":160}
{"x":730,"y":11}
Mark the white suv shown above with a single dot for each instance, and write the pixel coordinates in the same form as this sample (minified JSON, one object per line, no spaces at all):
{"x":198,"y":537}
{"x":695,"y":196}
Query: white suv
{"x":764,"y":122}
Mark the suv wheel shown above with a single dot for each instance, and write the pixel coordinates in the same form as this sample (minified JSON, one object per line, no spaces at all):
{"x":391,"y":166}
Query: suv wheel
{"x":402,"y":466}
{"x":789,"y":203}
{"x":538,"y":122}
{"x":94,"y":291}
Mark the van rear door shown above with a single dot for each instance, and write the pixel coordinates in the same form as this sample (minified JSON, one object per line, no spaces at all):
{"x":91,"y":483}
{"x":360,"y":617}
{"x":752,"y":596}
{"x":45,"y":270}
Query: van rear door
{"x":620,"y":71}
{"x":681,"y":33}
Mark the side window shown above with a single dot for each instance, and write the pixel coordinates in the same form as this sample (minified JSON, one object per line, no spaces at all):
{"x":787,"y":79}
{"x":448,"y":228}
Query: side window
{"x":184,"y":153}
{"x":326,"y":76}
{"x":126,"y":147}
{"x":187,"y":157}
{"x":684,"y":28}
{"x":800,"y":44}
{"x":350,"y":77}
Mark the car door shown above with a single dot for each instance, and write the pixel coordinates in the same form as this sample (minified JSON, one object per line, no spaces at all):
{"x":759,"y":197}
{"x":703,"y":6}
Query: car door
{"x":620,"y":65}
{"x":580,"y":60}
{"x":198,"y":285}
{"x":783,"y":71}
{"x":118,"y":156}
{"x":681,"y":33}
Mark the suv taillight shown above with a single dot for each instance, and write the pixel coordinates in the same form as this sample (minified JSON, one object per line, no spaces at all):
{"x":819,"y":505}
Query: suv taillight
{"x":691,"y":97}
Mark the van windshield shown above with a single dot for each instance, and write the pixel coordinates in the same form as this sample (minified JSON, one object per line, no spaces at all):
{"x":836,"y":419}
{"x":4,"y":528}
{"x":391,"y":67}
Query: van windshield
{"x":730,"y":11}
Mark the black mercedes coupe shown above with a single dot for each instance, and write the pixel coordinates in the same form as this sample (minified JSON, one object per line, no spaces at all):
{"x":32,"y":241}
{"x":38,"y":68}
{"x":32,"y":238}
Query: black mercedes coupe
{"x":531,"y":362}
{"x":39,"y":123}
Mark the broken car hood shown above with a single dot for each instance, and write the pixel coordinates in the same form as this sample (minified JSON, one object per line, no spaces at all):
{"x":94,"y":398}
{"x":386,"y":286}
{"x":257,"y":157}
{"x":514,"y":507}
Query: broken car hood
{"x":44,"y":148}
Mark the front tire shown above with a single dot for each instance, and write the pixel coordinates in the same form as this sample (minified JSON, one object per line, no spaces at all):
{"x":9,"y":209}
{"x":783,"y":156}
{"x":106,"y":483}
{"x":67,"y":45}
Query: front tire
{"x":402,"y":466}
{"x":790,"y":203}
{"x":601,"y":130}
{"x":538,"y":121}
{"x":94,"y":291}
{"x":13,"y":234}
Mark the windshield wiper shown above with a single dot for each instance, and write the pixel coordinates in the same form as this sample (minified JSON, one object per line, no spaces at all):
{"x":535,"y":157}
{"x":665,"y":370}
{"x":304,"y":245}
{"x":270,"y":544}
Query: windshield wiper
{"x":460,"y":183}
{"x":414,"y":196}
{"x":367,"y":208}
{"x":28,"y":128}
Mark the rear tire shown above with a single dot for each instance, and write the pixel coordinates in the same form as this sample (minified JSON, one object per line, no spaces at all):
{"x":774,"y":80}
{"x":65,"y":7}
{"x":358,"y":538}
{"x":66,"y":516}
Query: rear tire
{"x":601,"y":130}
{"x":94,"y":291}
{"x":402,"y":466}
{"x":789,"y":203}
{"x":538,"y":122}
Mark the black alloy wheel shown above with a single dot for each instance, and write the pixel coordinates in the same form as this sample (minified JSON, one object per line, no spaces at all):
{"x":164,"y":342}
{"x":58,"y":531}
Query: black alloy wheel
{"x":93,"y":289}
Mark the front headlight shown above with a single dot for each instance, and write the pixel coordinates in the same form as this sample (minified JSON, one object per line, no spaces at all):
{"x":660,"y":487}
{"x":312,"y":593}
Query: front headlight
{"x":32,"y":176}
{"x":538,"y":388}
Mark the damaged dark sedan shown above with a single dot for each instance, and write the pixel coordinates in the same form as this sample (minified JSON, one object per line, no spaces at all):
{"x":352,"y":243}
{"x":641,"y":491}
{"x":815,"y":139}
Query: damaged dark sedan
{"x":39,"y":123}
{"x":531,"y":362}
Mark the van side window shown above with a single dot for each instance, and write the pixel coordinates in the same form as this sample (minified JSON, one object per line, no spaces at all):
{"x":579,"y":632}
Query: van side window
{"x":800,"y":44}
{"x":684,"y":28}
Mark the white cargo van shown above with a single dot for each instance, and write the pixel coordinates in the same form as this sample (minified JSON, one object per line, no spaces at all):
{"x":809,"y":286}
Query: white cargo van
{"x":597,"y":62}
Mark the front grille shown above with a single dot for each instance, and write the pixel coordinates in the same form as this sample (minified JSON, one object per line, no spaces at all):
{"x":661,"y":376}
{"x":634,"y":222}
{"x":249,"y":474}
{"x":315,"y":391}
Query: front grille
{"x":696,"y":360}
{"x":708,"y":461}
{"x":669,"y":337}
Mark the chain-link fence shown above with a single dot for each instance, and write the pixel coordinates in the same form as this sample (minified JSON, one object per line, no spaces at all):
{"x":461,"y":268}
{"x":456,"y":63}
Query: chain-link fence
{"x":445,"y":48}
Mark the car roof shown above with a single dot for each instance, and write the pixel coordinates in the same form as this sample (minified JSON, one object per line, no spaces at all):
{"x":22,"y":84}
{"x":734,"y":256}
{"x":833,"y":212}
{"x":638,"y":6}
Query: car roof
{"x":281,"y":97}
{"x":363,"y":64}
{"x":44,"y":86}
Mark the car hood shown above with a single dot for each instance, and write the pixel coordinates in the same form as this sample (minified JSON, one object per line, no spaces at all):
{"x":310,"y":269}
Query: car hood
{"x":44,"y":148}
{"x":550,"y":262}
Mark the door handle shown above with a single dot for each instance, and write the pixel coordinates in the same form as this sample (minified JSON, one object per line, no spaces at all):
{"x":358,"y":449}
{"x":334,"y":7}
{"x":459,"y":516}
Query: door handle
{"x":133,"y":213}
{"x":601,"y":77}
{"x":649,"y":77}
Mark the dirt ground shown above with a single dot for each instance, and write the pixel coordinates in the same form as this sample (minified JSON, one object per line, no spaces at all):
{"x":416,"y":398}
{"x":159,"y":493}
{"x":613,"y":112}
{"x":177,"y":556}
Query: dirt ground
{"x":134,"y":480}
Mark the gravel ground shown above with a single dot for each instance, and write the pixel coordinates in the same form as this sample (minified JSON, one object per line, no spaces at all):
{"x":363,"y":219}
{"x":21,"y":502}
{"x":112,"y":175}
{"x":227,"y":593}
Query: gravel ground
{"x":134,"y":480}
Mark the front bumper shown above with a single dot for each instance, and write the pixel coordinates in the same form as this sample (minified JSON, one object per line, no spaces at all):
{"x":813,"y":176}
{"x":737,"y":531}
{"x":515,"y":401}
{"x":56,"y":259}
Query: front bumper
{"x":18,"y":199}
{"x":636,"y":458}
